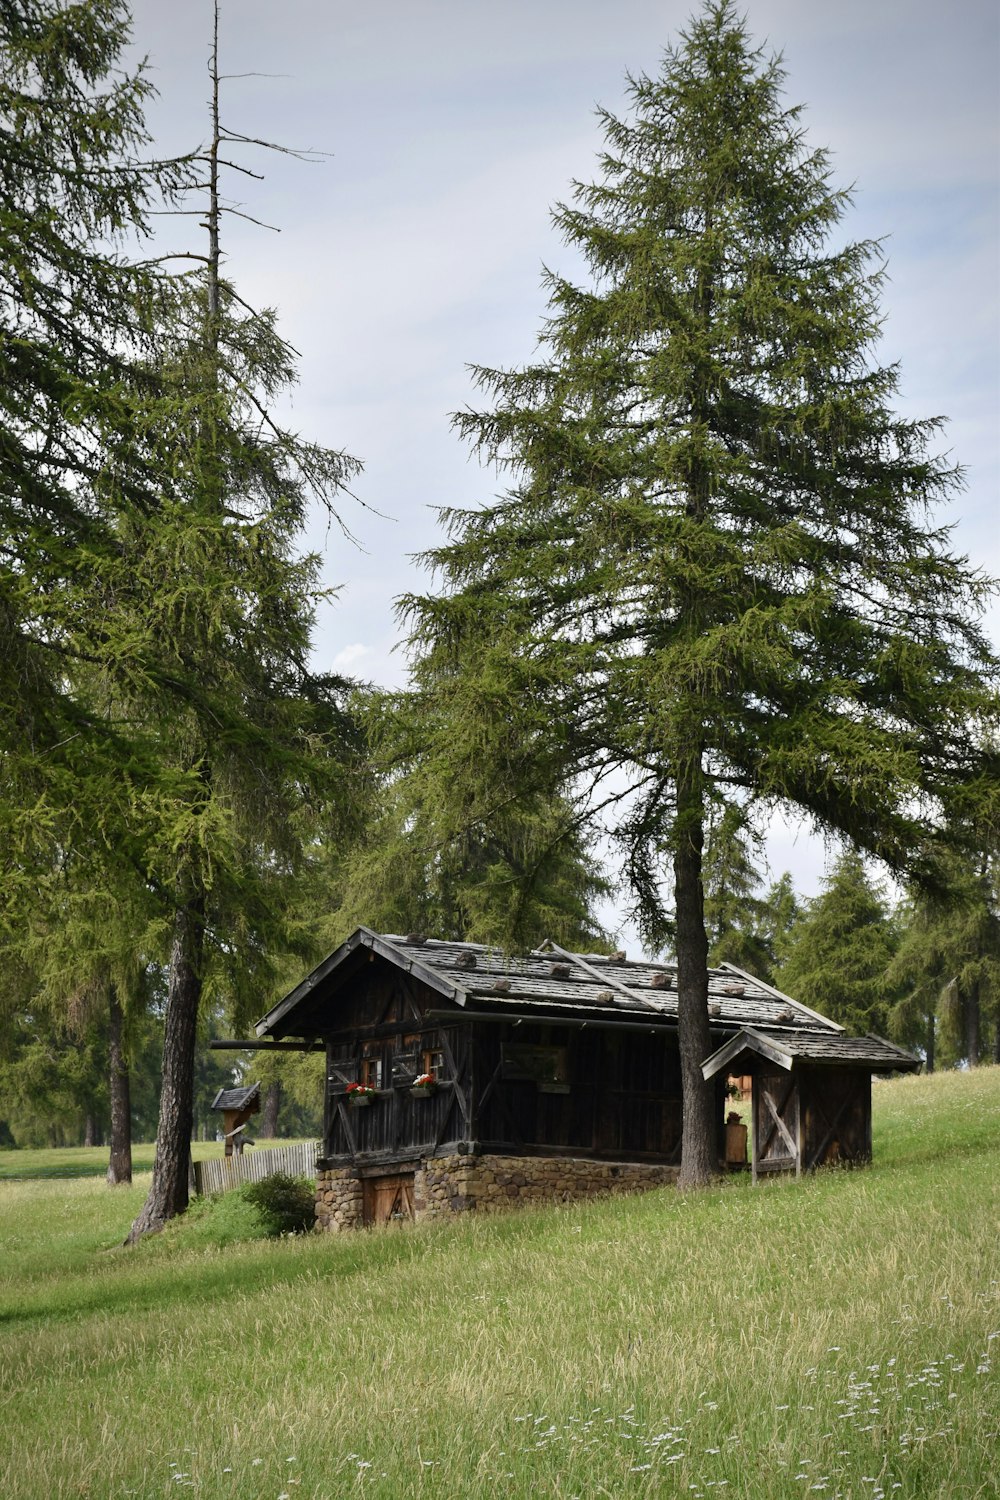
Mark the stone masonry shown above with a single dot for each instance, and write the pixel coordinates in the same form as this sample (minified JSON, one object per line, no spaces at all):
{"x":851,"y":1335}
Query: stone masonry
{"x":339,"y":1199}
{"x":489,"y":1184}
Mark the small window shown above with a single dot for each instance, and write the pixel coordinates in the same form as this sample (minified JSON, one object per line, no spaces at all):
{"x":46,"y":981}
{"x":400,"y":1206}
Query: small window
{"x":535,"y":1064}
{"x":370,"y":1072}
{"x":433,"y":1060}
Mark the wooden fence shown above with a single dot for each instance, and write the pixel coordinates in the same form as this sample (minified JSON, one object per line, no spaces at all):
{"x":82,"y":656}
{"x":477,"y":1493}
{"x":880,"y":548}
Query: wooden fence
{"x":226,"y":1172}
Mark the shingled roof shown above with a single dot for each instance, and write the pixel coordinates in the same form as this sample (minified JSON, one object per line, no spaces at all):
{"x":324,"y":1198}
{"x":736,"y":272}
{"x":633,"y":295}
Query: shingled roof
{"x":548,"y":982}
{"x":873,"y":1053}
{"x":241,"y":1098}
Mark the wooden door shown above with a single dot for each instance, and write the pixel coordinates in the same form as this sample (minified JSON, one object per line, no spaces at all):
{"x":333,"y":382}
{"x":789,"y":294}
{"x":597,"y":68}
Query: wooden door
{"x":836,"y":1116}
{"x":776,"y":1124}
{"x":389,"y":1200}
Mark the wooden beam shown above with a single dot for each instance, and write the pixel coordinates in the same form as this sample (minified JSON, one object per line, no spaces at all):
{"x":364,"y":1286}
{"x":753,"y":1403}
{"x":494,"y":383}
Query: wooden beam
{"x":747,"y":1040}
{"x":595,"y":1022}
{"x":235,"y":1045}
{"x":603,"y":975}
{"x":778,"y":1123}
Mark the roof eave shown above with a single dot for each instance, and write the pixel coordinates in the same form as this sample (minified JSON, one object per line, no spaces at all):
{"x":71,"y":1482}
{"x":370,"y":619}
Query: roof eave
{"x":745,"y":1040}
{"x":362,"y":937}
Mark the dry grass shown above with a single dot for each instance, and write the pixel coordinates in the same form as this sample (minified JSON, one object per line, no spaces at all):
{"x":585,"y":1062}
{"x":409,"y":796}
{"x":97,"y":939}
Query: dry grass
{"x":835,"y":1337}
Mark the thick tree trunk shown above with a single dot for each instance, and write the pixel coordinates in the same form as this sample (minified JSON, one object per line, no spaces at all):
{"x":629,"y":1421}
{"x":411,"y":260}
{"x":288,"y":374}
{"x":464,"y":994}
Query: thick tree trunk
{"x":168,"y":1193}
{"x":119,"y":1084}
{"x":90,"y":1131}
{"x":272,"y":1104}
{"x":699,"y":1154}
{"x":971,"y":1023}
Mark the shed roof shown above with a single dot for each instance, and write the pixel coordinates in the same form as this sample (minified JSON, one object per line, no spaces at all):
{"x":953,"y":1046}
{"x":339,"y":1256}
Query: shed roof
{"x":548,"y":981}
{"x":242,"y":1098}
{"x":872,"y":1053}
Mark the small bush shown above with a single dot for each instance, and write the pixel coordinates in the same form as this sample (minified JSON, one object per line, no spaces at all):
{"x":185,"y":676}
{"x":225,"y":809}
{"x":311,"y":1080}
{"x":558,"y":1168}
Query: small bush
{"x":283,"y":1204}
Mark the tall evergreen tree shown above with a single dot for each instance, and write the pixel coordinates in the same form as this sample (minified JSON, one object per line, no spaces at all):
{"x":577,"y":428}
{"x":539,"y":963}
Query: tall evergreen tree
{"x":714,"y":573}
{"x":164,"y":728}
{"x":74,"y":322}
{"x":735,"y":915}
{"x":839,"y":953}
{"x":949,"y":964}
{"x":522,"y":875}
{"x":213,"y":607}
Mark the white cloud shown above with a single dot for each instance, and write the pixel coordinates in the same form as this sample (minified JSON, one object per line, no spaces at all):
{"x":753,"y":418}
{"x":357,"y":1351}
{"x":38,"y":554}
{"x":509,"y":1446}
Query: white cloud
{"x":349,"y":656}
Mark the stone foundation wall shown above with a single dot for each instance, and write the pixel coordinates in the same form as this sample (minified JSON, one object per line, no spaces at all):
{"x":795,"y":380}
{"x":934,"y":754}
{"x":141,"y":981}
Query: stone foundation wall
{"x":488,"y":1184}
{"x":339,"y":1199}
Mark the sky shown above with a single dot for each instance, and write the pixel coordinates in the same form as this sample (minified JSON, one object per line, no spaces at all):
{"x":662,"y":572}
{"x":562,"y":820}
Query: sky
{"x":414,"y":248}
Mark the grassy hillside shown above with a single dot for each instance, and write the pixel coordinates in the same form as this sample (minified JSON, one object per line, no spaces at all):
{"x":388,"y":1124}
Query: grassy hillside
{"x":834,"y":1337}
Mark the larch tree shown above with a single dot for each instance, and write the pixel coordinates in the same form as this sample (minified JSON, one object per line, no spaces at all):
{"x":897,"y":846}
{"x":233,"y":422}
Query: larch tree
{"x":735,"y":914}
{"x":77,"y":327}
{"x":86,"y":944}
{"x":716,"y":575}
{"x":75,"y":320}
{"x":420,"y":865}
{"x":164,"y":727}
{"x":211,"y":605}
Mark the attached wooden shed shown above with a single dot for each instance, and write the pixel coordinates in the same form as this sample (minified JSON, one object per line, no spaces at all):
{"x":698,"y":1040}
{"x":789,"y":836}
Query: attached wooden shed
{"x":552,"y":1075}
{"x":812,"y":1094}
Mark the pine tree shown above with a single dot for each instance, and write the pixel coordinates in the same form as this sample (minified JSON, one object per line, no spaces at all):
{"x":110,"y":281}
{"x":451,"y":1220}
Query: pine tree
{"x":949,"y":963}
{"x":840,"y":952}
{"x":714,"y":576}
{"x":735,"y":916}
{"x":418,"y":865}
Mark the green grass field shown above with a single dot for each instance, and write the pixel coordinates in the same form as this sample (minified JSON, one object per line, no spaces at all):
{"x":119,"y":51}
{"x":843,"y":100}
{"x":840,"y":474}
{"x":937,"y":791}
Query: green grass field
{"x":834,"y":1337}
{"x":89,"y":1161}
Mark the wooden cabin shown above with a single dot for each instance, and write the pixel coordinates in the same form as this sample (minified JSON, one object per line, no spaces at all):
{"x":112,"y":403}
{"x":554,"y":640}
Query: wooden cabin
{"x":460,"y":1078}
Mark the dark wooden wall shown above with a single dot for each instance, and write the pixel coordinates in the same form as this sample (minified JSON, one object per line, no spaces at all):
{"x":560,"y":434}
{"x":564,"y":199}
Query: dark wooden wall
{"x":836,"y":1116}
{"x":619,"y":1099}
{"x":536,"y":1089}
{"x":817,"y":1115}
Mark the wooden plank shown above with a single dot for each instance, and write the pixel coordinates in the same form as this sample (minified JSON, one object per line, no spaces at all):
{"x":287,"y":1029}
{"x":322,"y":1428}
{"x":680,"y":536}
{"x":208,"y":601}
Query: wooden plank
{"x":816,"y":1155}
{"x":762,"y":1141}
{"x":747,"y":1040}
{"x":446,"y":1048}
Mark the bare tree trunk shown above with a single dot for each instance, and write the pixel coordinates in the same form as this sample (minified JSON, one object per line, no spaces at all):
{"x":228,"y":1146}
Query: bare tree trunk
{"x":272,"y":1104}
{"x":929,"y":1045}
{"x":168,"y":1193}
{"x":119,"y":1084}
{"x":90,"y":1131}
{"x":971,"y":1023}
{"x":699,"y":1154}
